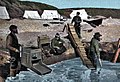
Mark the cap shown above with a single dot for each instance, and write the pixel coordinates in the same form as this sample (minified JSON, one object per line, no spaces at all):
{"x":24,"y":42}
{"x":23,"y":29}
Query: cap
{"x":12,"y":27}
{"x":57,"y":35}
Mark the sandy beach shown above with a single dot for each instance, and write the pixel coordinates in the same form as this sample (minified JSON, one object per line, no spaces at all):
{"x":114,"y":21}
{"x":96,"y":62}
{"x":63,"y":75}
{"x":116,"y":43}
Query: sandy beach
{"x":30,"y":29}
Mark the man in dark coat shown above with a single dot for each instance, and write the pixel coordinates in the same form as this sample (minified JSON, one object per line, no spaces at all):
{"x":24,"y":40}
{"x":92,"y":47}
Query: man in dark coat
{"x":77,"y":20}
{"x":13,"y":47}
{"x":57,"y":45}
{"x":94,"y":48}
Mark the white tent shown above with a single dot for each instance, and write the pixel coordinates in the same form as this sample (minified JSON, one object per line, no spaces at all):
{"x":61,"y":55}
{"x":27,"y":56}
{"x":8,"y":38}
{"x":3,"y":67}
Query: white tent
{"x":31,"y":14}
{"x":83,"y":13}
{"x":3,"y":13}
{"x":50,"y":14}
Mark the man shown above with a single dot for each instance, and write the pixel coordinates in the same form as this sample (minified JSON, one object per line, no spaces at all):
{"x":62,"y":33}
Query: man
{"x":94,"y":49}
{"x":77,"y":20}
{"x":57,"y":45}
{"x":117,"y":52}
{"x":13,"y":47}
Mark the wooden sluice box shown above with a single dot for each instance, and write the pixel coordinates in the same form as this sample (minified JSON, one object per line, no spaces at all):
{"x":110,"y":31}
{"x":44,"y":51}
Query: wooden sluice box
{"x":32,"y":58}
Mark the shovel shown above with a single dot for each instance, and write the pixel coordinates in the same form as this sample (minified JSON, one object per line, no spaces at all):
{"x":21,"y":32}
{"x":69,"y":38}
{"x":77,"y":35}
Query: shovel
{"x":99,"y":64}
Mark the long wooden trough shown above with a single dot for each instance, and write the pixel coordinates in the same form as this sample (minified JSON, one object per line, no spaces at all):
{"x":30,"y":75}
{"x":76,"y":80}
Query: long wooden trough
{"x":78,"y":46}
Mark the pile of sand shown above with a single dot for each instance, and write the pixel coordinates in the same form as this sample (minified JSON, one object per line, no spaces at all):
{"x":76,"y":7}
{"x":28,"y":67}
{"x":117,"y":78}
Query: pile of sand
{"x":30,"y":29}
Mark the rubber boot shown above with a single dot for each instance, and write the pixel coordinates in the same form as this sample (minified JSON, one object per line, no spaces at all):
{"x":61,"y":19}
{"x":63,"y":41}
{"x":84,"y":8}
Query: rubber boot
{"x":18,"y":68}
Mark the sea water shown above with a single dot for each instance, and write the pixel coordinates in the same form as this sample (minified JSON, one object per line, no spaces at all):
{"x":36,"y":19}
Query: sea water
{"x":73,"y":71}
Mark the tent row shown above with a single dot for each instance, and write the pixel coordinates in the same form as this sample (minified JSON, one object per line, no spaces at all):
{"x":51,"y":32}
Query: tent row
{"x":51,"y":14}
{"x":47,"y":14}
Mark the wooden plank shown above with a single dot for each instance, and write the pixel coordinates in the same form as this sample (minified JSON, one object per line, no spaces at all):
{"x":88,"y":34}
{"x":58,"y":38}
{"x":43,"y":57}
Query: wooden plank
{"x":78,"y":45}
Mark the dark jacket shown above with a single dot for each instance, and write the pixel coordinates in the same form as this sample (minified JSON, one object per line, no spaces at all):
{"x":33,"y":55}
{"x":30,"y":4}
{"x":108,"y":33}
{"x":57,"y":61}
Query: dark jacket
{"x":94,"y":46}
{"x":12,"y":43}
{"x":77,"y":20}
{"x":57,"y":46}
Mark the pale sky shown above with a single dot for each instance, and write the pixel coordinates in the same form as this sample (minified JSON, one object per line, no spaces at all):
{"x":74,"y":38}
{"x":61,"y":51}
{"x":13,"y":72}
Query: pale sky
{"x":81,"y":3}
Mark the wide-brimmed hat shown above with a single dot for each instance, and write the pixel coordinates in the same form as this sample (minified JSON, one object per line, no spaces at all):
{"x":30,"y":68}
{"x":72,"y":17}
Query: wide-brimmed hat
{"x":97,"y":34}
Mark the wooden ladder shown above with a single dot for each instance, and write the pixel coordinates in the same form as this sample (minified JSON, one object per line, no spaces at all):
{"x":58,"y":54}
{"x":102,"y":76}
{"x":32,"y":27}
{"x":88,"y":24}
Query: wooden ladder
{"x":78,"y":46}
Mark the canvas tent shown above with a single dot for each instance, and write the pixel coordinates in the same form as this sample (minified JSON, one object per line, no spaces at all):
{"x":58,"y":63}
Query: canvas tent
{"x":50,"y":14}
{"x":3,"y":13}
{"x":83,"y":13}
{"x":29,"y":14}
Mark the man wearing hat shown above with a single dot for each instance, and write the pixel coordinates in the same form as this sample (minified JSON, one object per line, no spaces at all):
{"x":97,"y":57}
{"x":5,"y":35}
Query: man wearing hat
{"x":57,"y":45}
{"x":94,"y":48}
{"x":13,"y":47}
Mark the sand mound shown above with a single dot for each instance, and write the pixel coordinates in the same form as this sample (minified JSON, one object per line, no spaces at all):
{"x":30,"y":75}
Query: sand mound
{"x":30,"y":29}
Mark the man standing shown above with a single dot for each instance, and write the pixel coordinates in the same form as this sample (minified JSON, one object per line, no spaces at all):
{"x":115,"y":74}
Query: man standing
{"x":13,"y":47}
{"x":117,"y":52}
{"x":94,"y":49}
{"x":77,"y":20}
